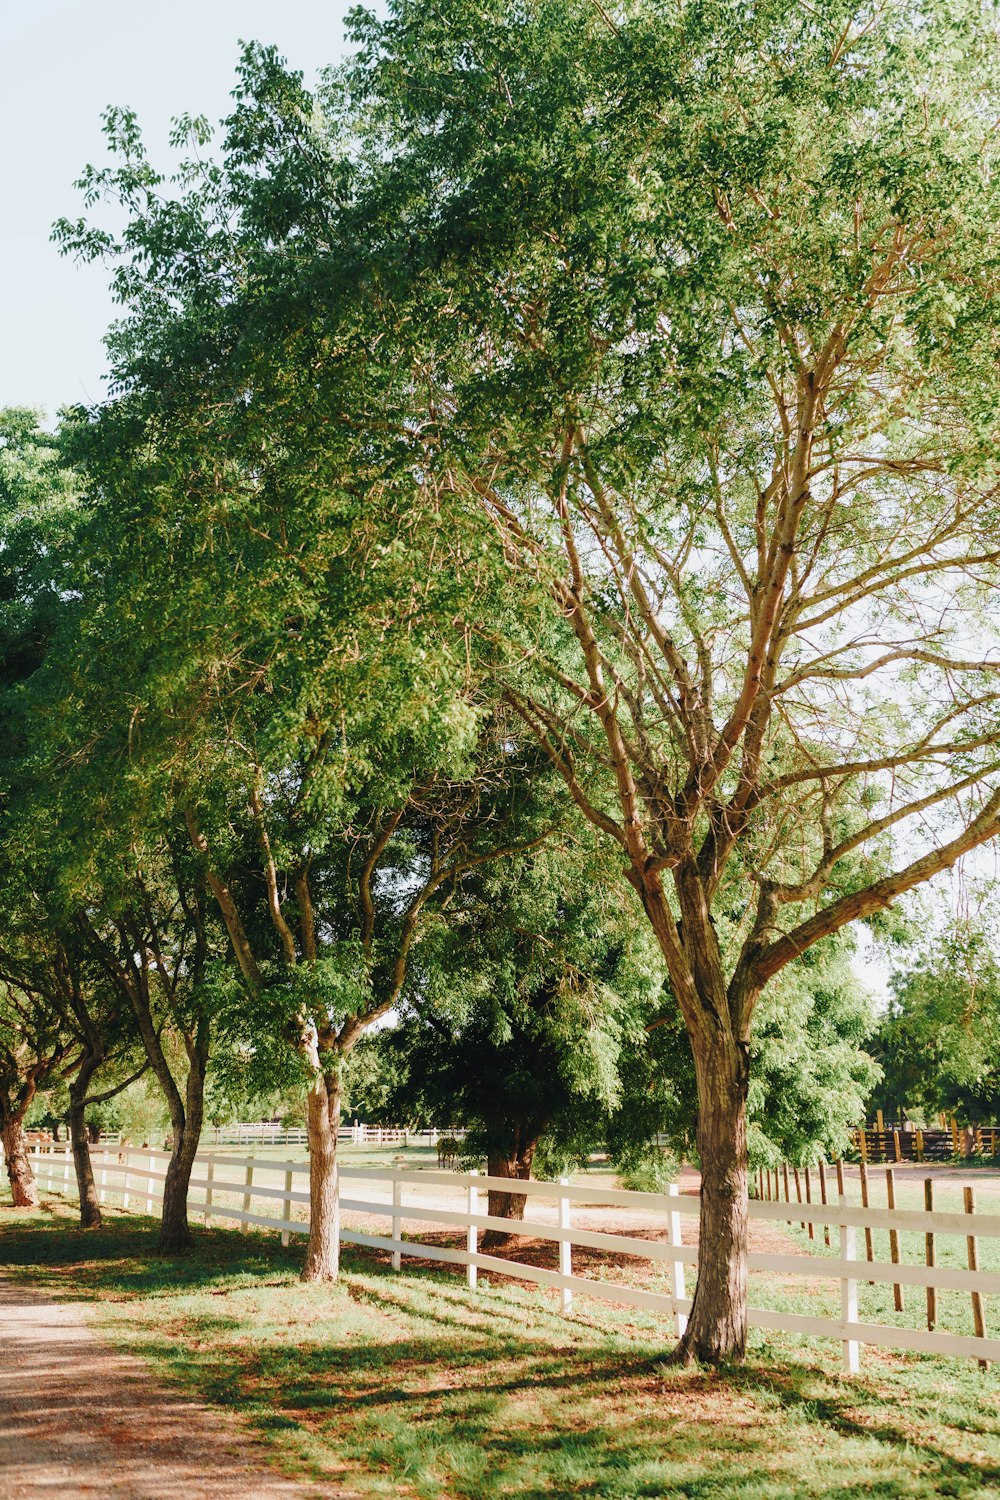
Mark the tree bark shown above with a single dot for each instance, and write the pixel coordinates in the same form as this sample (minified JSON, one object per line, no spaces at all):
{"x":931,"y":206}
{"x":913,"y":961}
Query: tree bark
{"x":186,"y":1122}
{"x":322,"y":1261}
{"x":23,"y":1187}
{"x":515,"y":1165}
{"x":717,"y":1326}
{"x":90,"y":1207}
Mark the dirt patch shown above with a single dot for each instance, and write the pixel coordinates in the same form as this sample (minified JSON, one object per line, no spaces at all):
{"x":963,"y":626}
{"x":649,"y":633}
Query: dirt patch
{"x":628,"y":1267}
{"x":78,"y":1419}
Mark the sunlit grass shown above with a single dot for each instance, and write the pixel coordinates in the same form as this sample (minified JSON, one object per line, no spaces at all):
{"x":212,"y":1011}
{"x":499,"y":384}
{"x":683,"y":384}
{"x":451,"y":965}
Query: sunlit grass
{"x":408,"y":1384}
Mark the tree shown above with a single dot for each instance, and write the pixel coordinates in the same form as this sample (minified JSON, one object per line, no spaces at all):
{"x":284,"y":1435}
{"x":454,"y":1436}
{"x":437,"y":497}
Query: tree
{"x":709,"y":297}
{"x":296,"y":690}
{"x":326,"y":931}
{"x":517,"y":1012}
{"x":156,"y":945}
{"x":698,"y":307}
{"x":105,"y":920}
{"x":32,"y":1050}
{"x":54,"y":993}
{"x":549,"y":1026}
{"x":938,"y":1041}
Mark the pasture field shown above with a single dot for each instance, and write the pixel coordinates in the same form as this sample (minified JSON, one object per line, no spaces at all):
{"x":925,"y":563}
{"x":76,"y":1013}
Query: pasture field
{"x":408,"y":1384}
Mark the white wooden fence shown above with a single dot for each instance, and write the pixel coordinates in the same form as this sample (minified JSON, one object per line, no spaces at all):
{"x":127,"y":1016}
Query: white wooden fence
{"x":266,"y":1134}
{"x":230,"y":1185}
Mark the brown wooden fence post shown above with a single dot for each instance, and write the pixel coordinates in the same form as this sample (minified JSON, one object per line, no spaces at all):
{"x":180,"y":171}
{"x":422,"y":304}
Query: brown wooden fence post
{"x":809,"y":1226}
{"x":822,"y":1194}
{"x":929,"y":1253}
{"x":890,"y":1193}
{"x":798,"y":1194}
{"x":869,"y":1243}
{"x":784,"y":1169}
{"x":978,"y":1318}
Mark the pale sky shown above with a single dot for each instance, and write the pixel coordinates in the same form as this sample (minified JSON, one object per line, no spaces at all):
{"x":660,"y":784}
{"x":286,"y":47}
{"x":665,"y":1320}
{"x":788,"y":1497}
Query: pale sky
{"x":62,"y":64}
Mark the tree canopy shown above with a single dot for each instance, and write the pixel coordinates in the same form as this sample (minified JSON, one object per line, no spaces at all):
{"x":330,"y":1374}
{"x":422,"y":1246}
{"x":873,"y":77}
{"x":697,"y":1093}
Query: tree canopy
{"x":602,"y":391}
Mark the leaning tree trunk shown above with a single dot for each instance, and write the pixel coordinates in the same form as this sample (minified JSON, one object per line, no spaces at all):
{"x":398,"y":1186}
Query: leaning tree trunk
{"x":515,"y":1165}
{"x":90,"y":1207}
{"x":322,"y":1261}
{"x":23,"y":1187}
{"x":717,"y":1325}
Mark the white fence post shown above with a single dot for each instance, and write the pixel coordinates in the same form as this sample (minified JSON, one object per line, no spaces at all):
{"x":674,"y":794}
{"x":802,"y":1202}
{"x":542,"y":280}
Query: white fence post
{"x":210,"y":1175}
{"x":125,"y":1180}
{"x":104,"y":1176}
{"x":848,"y":1284}
{"x":66,"y":1168}
{"x":565,"y":1247}
{"x":472,"y":1241}
{"x":286,"y":1204}
{"x":150,"y":1169}
{"x":674,"y":1237}
{"x":397,"y":1221}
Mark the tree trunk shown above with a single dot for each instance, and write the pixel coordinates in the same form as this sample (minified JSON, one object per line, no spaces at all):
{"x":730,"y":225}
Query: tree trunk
{"x":90,"y":1208}
{"x":323,"y":1120}
{"x":23,"y":1187}
{"x":175,"y":1232}
{"x":717,"y":1325}
{"x":515,"y":1165}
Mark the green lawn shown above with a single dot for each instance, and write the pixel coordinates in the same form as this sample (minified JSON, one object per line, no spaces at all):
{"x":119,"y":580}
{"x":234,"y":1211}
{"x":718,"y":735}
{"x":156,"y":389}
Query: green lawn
{"x":875,"y":1303}
{"x":409,"y":1385}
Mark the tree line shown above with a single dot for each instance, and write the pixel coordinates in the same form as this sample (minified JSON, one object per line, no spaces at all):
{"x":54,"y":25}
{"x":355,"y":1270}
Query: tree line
{"x":544,"y":526}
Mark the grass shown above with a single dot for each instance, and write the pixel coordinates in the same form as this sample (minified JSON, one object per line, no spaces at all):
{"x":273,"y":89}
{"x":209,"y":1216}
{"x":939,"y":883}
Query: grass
{"x":875,"y":1303}
{"x":409,"y":1385}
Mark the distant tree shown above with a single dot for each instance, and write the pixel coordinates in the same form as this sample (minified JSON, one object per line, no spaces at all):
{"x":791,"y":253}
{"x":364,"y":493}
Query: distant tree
{"x":518,"y":1009}
{"x":51,"y":984}
{"x":537,"y":1018}
{"x":33,"y":1048}
{"x":939,"y":1042}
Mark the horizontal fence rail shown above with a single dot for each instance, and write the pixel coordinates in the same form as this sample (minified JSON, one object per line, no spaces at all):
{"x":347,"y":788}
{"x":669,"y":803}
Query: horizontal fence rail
{"x":266,"y":1134}
{"x":263,"y":1193}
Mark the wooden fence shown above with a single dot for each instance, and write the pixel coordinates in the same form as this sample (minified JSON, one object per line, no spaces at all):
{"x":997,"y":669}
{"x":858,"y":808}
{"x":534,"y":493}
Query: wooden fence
{"x":240,"y":1188}
{"x":266,"y":1134}
{"x":894,"y":1143}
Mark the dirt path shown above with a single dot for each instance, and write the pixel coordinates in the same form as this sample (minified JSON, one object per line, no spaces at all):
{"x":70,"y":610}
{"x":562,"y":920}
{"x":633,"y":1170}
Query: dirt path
{"x":78,"y":1419}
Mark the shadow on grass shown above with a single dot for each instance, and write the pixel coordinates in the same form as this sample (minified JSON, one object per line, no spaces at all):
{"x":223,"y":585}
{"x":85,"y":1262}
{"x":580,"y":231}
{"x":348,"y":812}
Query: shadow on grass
{"x":411,"y":1385}
{"x":123,"y":1258}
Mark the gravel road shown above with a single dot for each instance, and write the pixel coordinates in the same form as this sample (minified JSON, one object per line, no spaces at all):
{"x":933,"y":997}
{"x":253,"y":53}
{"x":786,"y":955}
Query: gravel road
{"x":79,"y":1420}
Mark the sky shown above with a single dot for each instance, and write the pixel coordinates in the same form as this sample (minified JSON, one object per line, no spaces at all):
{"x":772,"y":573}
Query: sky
{"x":62,"y":65}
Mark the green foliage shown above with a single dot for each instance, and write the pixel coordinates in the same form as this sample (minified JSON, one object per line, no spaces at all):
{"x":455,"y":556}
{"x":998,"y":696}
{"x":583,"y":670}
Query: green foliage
{"x":812,"y":1068}
{"x":939,"y":1042}
{"x":646,"y":1169}
{"x":522,"y":1004}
